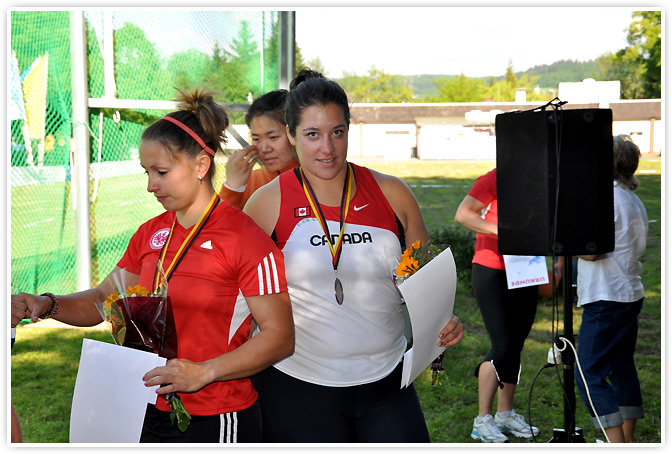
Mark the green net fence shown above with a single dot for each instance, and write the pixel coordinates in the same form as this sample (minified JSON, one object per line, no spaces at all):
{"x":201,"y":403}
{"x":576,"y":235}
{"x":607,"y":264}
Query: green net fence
{"x":233,"y":52}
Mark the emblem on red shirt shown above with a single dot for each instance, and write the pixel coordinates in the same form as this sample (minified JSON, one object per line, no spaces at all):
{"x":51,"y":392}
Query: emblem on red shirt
{"x":159,"y":238}
{"x":301,"y":212}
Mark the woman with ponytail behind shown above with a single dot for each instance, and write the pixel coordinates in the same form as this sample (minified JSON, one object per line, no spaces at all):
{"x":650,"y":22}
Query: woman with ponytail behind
{"x":611,"y":294}
{"x":215,"y":252}
{"x":341,"y":228}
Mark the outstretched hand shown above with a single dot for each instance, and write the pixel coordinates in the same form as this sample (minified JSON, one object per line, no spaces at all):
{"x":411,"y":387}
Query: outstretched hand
{"x":452,"y":333}
{"x":25,"y":305}
{"x":19,"y":312}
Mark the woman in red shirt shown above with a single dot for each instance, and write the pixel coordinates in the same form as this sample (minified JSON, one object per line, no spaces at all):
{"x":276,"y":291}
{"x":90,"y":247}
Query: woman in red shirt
{"x":508,"y":316}
{"x":211,"y":253}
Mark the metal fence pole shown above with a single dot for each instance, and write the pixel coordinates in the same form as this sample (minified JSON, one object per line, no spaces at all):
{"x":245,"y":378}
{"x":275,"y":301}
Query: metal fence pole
{"x":287,"y":47}
{"x":80,"y":142}
{"x":108,"y":58}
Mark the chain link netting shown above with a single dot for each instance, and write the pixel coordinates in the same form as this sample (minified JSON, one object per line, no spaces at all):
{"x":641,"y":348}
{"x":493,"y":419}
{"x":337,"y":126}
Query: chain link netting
{"x":154,"y":52}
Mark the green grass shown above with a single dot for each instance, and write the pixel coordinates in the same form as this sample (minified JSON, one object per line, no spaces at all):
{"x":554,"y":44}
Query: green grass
{"x":44,"y":361}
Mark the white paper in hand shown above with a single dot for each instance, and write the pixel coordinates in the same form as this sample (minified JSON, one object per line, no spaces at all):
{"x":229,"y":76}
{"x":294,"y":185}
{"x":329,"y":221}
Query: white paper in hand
{"x":430,"y":297}
{"x":110,"y":399}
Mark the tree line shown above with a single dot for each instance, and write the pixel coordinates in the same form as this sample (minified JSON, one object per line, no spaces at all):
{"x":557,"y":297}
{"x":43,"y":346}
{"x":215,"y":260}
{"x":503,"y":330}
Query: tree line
{"x":637,"y":66}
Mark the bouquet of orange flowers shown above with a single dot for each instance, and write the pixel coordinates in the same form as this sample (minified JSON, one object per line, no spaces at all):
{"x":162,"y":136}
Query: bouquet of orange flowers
{"x":143,"y":320}
{"x":411,"y":260}
{"x":414,"y":258}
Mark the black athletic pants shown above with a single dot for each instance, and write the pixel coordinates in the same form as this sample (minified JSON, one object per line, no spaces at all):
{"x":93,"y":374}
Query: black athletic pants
{"x":295,"y":411}
{"x":236,"y":427}
{"x":508,"y":316}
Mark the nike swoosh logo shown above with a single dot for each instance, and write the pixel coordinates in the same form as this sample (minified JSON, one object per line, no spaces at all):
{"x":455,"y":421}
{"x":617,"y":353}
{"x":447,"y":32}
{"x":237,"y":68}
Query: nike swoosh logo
{"x":356,"y":208}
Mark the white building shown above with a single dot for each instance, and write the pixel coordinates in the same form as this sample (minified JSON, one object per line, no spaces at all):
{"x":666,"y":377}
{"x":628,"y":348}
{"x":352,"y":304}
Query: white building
{"x":467,"y":130}
{"x":590,"y":91}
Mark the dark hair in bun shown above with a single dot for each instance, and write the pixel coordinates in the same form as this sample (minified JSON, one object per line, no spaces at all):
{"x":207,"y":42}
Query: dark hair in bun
{"x":197,"y":110}
{"x":271,"y":104}
{"x":310,"y":88}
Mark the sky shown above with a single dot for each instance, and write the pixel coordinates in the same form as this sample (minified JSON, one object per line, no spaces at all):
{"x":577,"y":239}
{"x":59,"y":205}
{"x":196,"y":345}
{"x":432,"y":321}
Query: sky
{"x":475,"y":41}
{"x":472,"y":40}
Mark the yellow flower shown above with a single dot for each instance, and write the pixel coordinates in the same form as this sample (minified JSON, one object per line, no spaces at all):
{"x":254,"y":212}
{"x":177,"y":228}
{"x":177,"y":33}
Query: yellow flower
{"x":137,"y":290}
{"x":112,"y":298}
{"x":414,"y":258}
{"x":410,"y":252}
{"x":407,"y":266}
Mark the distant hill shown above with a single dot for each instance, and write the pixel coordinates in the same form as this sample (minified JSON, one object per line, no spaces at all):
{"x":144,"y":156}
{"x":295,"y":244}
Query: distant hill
{"x":423,"y":84}
{"x":563,"y":71}
{"x":549,"y":76}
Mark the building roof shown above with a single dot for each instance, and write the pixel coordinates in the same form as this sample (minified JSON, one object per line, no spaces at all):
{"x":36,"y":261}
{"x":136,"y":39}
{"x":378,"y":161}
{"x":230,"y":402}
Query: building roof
{"x":624,"y":110}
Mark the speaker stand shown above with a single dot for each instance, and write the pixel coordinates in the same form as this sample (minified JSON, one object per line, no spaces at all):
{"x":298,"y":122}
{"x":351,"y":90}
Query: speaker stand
{"x":570,"y":433}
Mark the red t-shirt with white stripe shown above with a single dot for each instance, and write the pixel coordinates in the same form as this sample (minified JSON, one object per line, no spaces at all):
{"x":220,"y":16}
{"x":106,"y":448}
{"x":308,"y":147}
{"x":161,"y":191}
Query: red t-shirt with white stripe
{"x":487,"y":246}
{"x":230,"y":256}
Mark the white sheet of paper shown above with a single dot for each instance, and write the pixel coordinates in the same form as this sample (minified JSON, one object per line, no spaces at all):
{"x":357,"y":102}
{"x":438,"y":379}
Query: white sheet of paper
{"x":430,"y":297}
{"x":525,"y":270}
{"x":110,"y":399}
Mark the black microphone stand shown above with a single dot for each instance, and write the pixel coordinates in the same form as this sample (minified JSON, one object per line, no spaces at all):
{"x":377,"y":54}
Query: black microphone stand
{"x":570,"y":433}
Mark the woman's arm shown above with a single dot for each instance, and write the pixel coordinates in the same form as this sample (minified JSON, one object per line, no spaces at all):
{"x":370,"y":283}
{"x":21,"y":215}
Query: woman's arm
{"x":275,"y":341}
{"x":77,"y":309}
{"x":468,"y":214}
{"x":405,"y":206}
{"x":264,"y":206}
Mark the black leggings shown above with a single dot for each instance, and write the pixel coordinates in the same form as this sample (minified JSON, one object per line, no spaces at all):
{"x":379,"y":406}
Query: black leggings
{"x":295,"y":411}
{"x":508,"y":316}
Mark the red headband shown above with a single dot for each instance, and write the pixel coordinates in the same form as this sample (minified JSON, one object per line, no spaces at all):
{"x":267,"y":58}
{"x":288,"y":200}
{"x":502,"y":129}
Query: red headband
{"x":189,"y":131}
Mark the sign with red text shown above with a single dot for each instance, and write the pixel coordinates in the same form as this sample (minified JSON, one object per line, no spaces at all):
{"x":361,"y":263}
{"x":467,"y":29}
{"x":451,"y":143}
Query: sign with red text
{"x":525,"y":270}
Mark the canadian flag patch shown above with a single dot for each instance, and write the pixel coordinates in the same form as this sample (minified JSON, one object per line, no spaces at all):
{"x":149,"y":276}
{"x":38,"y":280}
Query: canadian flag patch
{"x":301,"y":212}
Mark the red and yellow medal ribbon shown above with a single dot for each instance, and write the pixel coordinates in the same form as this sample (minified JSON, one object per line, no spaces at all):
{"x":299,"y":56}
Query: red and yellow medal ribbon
{"x":186,"y":244}
{"x":335,"y":248}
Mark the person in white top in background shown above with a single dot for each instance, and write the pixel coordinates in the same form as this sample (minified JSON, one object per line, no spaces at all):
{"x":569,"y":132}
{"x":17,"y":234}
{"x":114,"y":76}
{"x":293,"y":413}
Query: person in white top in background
{"x":611,"y":294}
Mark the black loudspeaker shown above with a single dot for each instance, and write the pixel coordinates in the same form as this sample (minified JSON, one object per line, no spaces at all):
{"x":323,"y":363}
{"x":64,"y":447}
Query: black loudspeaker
{"x":555,"y":182}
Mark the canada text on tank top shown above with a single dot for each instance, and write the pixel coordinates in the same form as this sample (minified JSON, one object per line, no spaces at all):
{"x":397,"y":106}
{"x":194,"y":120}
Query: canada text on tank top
{"x":362,"y":340}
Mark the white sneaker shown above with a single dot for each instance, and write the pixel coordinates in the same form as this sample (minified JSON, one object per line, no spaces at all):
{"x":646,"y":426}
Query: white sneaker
{"x":487,"y":431}
{"x":515,"y":425}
